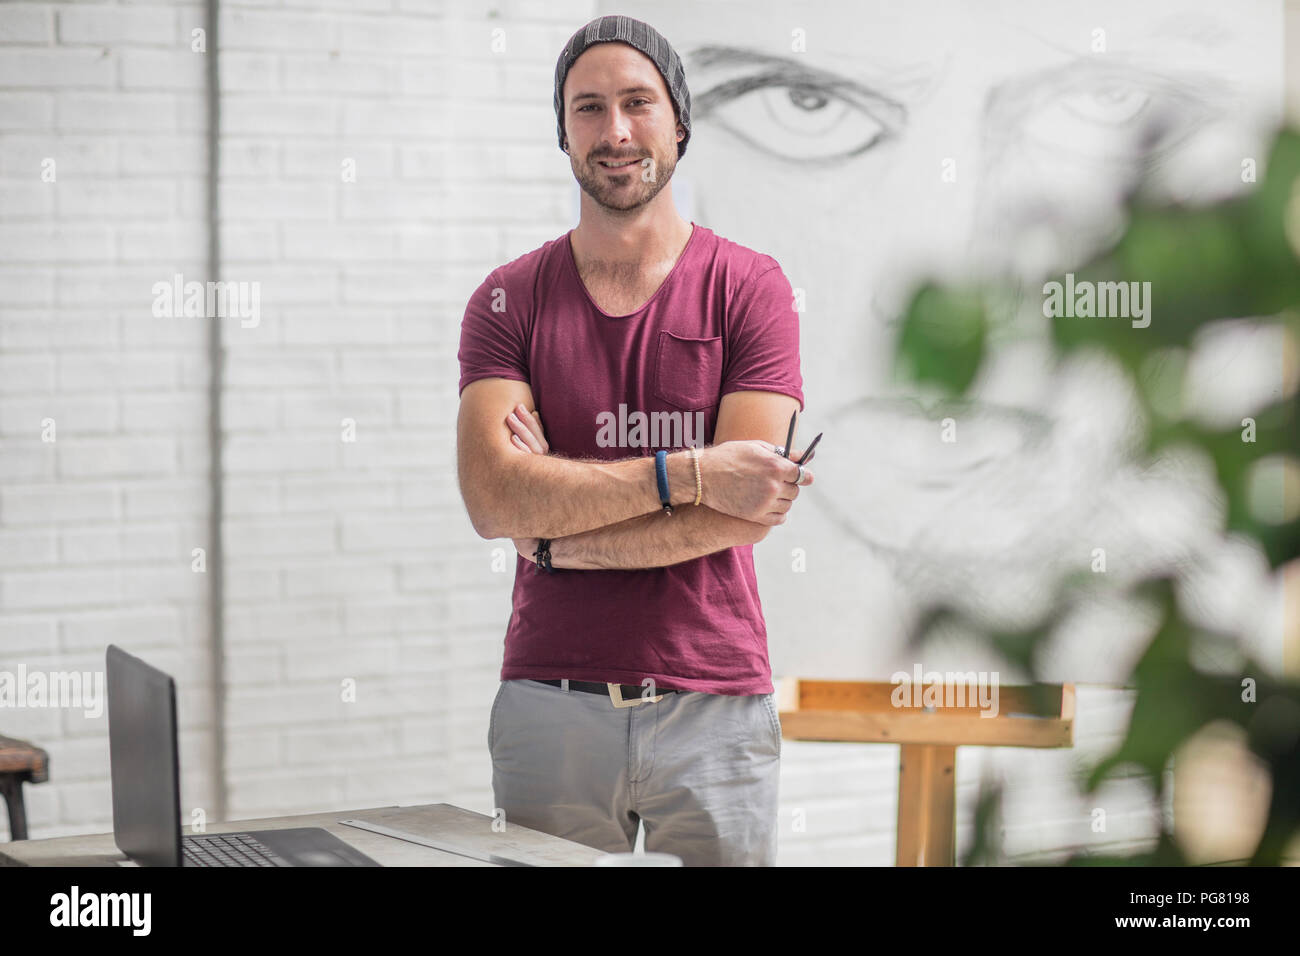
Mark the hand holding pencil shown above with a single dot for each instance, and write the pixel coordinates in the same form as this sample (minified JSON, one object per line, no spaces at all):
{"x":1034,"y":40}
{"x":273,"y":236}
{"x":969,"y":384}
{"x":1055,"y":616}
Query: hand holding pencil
{"x":784,"y":450}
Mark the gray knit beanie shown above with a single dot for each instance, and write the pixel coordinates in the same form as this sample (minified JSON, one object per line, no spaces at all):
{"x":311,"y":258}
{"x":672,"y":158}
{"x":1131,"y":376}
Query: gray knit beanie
{"x":643,"y":37}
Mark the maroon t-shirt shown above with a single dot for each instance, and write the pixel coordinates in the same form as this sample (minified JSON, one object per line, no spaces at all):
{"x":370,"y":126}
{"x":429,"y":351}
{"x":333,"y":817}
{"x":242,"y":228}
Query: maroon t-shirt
{"x":614,"y":387}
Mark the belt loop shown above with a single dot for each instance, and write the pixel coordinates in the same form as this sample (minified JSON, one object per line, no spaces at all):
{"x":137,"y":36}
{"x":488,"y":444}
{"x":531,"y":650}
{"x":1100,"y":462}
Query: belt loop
{"x":564,"y":684}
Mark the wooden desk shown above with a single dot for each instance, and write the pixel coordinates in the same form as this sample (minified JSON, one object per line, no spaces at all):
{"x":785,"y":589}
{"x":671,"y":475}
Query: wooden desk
{"x":441,"y":821}
{"x":1038,"y":715}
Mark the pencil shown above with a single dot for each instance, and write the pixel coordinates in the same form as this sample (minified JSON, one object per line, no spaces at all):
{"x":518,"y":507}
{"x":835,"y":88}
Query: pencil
{"x":807,"y":455}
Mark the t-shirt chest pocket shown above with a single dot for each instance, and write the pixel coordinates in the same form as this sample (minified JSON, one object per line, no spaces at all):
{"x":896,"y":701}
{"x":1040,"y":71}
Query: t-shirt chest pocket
{"x":688,"y":372}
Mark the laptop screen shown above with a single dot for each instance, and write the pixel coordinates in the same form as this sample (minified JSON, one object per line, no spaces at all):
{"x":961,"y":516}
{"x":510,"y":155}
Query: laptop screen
{"x":145,"y":768}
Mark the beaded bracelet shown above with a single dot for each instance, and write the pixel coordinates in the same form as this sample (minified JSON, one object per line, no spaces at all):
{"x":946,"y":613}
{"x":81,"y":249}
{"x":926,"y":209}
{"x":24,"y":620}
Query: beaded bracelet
{"x":699,"y":485}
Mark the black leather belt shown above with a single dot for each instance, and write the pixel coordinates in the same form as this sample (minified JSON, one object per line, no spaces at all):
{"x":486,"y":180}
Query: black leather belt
{"x":628,"y":695}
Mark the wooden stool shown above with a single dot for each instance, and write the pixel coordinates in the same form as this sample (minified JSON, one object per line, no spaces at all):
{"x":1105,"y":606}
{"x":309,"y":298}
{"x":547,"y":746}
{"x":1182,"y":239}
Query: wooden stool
{"x":20,"y":762}
{"x":1039,"y":715}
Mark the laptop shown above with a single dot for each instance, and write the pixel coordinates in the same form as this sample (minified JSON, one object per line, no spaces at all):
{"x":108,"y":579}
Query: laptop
{"x":143,"y":753}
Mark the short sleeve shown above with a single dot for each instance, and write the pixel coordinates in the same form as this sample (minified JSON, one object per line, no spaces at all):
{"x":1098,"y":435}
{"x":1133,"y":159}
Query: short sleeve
{"x":763,"y":337}
{"x":493,"y":341}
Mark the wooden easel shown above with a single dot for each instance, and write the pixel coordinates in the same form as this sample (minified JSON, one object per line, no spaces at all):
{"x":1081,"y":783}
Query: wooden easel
{"x":1038,"y":715}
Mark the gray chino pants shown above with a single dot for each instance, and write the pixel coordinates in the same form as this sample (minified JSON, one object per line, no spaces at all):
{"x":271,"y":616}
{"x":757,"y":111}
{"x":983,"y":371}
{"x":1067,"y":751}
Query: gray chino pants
{"x":700,"y":771}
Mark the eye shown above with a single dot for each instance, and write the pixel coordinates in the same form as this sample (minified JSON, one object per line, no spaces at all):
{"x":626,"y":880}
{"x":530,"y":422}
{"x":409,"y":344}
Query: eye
{"x":796,"y":119}
{"x":1110,"y":105}
{"x":1105,"y":117}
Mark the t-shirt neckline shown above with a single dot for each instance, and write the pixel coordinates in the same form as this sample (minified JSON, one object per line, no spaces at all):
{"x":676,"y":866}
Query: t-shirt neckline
{"x":577,"y":277}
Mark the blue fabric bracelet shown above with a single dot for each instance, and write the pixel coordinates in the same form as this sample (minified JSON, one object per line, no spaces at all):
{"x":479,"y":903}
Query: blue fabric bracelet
{"x":661,"y":473}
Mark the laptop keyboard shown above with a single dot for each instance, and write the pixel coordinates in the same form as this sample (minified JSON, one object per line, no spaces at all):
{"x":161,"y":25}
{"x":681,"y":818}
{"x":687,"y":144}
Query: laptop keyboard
{"x":228,"y":849}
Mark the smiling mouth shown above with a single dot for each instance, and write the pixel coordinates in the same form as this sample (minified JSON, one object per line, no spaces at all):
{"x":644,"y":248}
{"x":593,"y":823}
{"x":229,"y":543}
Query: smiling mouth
{"x":626,"y":164}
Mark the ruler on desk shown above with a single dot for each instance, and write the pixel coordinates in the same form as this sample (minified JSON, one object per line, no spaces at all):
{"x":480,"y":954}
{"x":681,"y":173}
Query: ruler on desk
{"x":434,"y":844}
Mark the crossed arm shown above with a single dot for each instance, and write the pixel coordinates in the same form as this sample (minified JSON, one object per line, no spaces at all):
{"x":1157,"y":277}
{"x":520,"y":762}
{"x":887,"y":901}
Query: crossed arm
{"x":654,"y":539}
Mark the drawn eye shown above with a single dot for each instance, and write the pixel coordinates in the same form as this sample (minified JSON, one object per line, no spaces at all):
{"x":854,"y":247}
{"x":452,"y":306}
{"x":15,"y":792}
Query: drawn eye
{"x":1111,"y":105}
{"x":1089,"y":119}
{"x":795,"y":119}
{"x":1101,"y":117}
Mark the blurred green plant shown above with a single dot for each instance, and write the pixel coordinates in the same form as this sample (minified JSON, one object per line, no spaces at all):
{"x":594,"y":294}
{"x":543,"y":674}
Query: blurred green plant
{"x":1234,"y":259}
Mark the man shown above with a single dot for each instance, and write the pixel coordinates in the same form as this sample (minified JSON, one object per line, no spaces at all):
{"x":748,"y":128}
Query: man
{"x":636,"y":685}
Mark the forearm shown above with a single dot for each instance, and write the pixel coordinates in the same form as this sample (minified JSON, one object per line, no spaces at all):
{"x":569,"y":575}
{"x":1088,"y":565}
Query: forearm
{"x":654,"y":540}
{"x":546,"y":496}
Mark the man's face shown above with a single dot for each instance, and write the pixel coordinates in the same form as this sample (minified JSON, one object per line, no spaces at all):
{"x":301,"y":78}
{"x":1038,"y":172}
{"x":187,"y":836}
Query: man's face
{"x":618,"y":110}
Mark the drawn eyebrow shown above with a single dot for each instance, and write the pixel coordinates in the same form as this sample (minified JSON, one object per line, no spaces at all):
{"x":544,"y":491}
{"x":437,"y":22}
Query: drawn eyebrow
{"x":785,"y":70}
{"x":1206,"y":32}
{"x":1086,"y":67}
{"x":918,"y":76}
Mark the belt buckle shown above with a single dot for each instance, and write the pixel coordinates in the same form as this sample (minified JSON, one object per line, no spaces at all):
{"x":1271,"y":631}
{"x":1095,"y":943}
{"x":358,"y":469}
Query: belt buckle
{"x":616,"y":695}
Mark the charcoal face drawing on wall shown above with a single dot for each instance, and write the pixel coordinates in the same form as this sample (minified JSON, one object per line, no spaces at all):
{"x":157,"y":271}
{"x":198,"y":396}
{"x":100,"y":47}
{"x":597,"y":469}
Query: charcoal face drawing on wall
{"x":864,"y":145}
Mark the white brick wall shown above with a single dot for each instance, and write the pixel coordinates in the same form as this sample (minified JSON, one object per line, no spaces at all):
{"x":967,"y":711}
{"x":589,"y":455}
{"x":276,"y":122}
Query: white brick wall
{"x":345,"y":560}
{"x":96,"y":527}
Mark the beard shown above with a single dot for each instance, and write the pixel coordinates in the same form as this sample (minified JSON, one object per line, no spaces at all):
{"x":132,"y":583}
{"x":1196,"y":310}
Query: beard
{"x":626,"y":191}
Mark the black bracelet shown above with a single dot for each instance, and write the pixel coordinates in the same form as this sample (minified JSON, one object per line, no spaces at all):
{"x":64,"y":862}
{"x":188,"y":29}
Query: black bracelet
{"x":543,"y":555}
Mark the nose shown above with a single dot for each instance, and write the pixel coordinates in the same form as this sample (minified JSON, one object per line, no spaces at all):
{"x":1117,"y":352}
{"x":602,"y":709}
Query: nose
{"x":616,"y":130}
